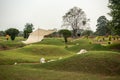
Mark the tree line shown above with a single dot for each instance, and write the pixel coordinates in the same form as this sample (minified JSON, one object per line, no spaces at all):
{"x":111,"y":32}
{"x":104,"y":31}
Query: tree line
{"x":110,"y":27}
{"x":76,"y":19}
{"x":13,"y":32}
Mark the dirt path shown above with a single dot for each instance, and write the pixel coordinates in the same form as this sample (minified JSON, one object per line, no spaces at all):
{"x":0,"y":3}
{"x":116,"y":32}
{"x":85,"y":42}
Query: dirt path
{"x":27,"y":63}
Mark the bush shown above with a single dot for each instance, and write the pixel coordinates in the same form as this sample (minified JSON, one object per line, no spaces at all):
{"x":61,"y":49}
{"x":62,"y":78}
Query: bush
{"x":109,"y":37}
{"x":12,"y":32}
{"x":66,"y":33}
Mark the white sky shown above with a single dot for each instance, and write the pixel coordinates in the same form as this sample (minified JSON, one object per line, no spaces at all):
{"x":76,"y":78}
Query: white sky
{"x":47,"y":14}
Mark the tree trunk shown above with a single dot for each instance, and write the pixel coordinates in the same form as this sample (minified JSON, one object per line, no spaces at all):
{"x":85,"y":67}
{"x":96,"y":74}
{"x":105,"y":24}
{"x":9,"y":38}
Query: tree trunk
{"x":74,"y":33}
{"x":74,"y":26}
{"x":65,"y":38}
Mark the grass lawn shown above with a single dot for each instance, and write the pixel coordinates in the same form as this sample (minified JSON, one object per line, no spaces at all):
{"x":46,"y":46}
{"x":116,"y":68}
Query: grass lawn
{"x":32,"y":54}
{"x":9,"y":44}
{"x":99,"y":63}
{"x":20,"y":72}
{"x":102,"y":62}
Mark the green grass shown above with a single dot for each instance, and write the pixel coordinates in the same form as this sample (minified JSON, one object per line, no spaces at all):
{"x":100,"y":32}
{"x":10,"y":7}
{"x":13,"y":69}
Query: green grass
{"x":9,"y":44}
{"x":47,"y":49}
{"x":32,"y":53}
{"x":79,"y":44}
{"x":114,"y":46}
{"x":52,"y":41}
{"x":99,"y":63}
{"x":19,"y":72}
{"x":102,"y":62}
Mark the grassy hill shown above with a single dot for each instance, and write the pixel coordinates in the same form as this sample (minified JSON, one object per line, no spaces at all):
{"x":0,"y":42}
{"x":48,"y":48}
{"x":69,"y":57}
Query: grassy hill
{"x":99,"y":63}
{"x":51,"y":41}
{"x":49,"y":48}
{"x":102,"y":62}
{"x":79,"y":44}
{"x":32,"y":53}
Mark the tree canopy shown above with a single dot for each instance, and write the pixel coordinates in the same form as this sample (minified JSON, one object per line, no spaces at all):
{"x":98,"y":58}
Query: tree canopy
{"x":2,"y":33}
{"x":102,"y":26}
{"x":114,"y":6}
{"x":75,"y":18}
{"x":12,"y":32}
{"x":65,"y":33}
{"x":28,"y":29}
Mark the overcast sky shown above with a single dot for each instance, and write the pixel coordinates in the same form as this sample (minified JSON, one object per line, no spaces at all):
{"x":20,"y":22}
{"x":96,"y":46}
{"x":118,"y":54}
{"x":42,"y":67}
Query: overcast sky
{"x":47,"y":14}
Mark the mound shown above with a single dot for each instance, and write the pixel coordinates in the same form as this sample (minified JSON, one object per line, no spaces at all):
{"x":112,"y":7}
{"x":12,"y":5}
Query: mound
{"x":85,"y":44}
{"x":52,"y":41}
{"x":102,"y":62}
{"x":32,"y":53}
{"x":45,"y":50}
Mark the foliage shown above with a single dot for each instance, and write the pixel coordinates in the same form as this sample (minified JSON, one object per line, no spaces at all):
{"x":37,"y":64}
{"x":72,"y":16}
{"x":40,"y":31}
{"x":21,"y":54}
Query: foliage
{"x":114,"y":6}
{"x":28,"y":29}
{"x":20,"y":34}
{"x":12,"y":32}
{"x":2,"y":33}
{"x":102,"y":26}
{"x":110,"y":37}
{"x":54,"y":34}
{"x":75,"y":18}
{"x":66,"y":33}
{"x":87,"y":32}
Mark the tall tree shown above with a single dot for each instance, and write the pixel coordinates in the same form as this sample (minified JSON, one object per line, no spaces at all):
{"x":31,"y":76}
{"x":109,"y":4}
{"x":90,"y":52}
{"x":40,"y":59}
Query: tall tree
{"x":12,"y":32}
{"x":75,"y":18}
{"x":114,"y":6}
{"x":28,"y":29}
{"x":102,"y":26}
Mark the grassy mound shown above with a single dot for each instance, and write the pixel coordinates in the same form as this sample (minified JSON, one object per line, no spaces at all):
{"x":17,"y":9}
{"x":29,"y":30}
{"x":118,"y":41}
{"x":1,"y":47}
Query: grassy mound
{"x":102,"y":62}
{"x":79,"y":44}
{"x":32,"y":53}
{"x":98,"y":64}
{"x":52,"y":41}
{"x":45,"y":50}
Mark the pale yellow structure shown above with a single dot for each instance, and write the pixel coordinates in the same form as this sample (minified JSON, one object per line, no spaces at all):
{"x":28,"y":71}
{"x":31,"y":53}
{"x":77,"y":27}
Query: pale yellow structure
{"x":37,"y":35}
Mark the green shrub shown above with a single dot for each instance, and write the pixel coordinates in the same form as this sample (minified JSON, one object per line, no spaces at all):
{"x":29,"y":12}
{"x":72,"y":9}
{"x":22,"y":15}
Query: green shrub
{"x":109,"y":37}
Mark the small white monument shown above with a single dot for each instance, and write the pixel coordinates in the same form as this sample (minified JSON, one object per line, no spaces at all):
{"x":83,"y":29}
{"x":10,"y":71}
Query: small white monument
{"x":15,"y":63}
{"x":82,"y":51}
{"x":42,"y":60}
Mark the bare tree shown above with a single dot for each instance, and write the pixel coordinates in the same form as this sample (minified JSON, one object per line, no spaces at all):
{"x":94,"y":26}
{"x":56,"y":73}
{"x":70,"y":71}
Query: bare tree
{"x":75,"y":18}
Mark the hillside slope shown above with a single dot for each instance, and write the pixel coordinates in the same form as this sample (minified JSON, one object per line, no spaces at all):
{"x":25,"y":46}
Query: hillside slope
{"x":102,"y":62}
